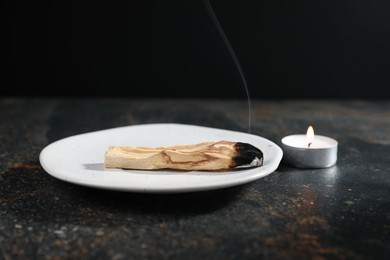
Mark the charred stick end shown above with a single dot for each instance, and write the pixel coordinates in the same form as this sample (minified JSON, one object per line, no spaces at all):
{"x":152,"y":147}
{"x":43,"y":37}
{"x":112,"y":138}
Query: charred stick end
{"x":247,"y":155}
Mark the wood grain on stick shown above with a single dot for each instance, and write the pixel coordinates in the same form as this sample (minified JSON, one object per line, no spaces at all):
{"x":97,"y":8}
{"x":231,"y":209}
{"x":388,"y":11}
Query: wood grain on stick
{"x":221,"y":155}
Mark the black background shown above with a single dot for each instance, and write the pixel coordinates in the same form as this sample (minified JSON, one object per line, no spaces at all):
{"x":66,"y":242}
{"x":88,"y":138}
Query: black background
{"x":287,"y":49}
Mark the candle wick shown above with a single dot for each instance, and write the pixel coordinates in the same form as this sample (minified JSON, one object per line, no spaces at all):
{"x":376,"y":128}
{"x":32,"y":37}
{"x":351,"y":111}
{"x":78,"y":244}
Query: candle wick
{"x":308,"y":145}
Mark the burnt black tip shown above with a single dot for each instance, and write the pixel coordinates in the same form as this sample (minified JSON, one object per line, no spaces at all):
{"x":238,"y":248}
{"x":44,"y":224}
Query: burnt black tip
{"x":246,"y":154}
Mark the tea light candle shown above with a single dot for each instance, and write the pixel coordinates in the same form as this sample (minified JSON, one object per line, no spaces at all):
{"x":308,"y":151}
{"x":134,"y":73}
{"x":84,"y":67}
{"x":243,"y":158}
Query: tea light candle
{"x":309,"y":151}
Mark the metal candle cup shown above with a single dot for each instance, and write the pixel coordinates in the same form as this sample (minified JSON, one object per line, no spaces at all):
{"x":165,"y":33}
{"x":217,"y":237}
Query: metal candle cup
{"x":305,"y":152}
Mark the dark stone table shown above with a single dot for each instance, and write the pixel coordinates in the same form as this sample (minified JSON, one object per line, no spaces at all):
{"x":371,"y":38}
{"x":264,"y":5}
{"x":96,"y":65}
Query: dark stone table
{"x":342,"y":212}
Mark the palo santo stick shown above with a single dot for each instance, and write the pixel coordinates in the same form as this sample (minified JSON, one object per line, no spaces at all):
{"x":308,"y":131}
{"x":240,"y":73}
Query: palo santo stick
{"x":220,"y":155}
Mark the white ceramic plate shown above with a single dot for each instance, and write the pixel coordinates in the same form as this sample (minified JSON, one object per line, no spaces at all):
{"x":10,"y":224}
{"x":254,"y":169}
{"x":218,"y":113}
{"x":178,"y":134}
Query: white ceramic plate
{"x":79,"y":159}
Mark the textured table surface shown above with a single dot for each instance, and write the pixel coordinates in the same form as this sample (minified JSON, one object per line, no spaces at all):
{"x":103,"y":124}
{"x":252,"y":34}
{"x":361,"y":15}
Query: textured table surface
{"x":342,"y":212}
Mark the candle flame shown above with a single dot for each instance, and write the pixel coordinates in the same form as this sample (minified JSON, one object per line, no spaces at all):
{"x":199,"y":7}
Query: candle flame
{"x":309,"y":135}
